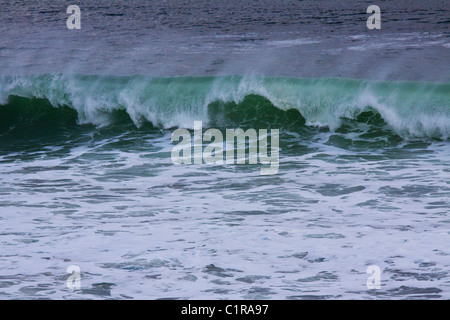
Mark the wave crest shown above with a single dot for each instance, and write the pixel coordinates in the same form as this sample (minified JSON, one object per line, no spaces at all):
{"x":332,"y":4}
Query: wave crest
{"x":410,"y":109}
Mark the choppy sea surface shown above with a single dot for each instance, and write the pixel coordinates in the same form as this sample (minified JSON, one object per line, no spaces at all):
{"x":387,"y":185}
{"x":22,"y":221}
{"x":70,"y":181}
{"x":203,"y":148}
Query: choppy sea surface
{"x":87,"y":178}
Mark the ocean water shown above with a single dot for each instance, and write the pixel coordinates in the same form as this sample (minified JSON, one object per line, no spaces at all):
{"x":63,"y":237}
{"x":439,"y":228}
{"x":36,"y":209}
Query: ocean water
{"x":87,"y":178}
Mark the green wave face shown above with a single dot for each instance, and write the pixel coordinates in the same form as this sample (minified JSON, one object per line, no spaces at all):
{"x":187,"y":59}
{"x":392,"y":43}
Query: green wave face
{"x":407,"y":109}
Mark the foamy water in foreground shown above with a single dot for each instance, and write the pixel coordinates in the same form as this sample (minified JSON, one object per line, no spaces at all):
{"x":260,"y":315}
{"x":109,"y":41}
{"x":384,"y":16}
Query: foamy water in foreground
{"x":140,"y":227}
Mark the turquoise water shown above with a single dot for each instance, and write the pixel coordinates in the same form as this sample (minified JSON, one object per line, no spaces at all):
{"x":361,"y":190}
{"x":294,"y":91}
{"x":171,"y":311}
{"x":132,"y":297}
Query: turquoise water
{"x":409,"y":109}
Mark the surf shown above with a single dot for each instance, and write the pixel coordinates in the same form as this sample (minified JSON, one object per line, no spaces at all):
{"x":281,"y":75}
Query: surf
{"x":409,"y":109}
